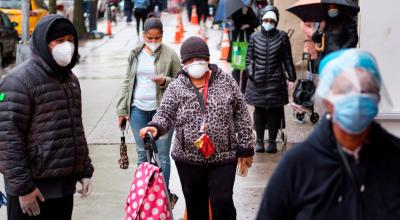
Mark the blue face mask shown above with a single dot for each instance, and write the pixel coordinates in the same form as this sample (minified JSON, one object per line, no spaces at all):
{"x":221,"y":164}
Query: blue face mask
{"x":333,"y":13}
{"x":354,"y":113}
{"x":268,"y":26}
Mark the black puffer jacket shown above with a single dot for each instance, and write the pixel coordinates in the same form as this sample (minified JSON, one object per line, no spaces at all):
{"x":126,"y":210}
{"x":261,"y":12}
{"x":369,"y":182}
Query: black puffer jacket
{"x":269,"y":53}
{"x":42,"y":135}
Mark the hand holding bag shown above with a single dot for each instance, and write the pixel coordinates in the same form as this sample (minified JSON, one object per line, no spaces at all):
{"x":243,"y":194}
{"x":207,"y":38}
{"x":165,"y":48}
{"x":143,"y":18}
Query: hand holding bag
{"x":123,"y":161}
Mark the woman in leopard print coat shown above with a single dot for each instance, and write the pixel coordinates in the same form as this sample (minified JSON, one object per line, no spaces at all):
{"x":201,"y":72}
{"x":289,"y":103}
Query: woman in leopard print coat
{"x":228,"y":126}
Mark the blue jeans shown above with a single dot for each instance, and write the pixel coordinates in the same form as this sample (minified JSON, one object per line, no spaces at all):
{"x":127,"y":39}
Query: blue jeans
{"x":138,"y":120}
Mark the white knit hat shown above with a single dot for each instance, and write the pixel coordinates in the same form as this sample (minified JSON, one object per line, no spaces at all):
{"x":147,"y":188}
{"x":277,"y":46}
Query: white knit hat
{"x":270,"y":15}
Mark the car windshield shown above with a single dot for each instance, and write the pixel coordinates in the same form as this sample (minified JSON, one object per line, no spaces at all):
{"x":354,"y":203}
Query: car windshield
{"x":10,"y":4}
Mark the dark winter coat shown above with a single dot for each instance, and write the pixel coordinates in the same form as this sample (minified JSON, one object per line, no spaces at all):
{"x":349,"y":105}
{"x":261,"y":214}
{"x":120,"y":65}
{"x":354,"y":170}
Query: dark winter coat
{"x":311,"y":182}
{"x":269,"y":55}
{"x":42,"y":139}
{"x":228,"y":119}
{"x":340,"y":33}
{"x":239,"y":19}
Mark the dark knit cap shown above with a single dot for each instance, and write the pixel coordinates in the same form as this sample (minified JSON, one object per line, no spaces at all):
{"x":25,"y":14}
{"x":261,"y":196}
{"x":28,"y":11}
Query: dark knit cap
{"x":59,"y":29}
{"x":194,"y":47}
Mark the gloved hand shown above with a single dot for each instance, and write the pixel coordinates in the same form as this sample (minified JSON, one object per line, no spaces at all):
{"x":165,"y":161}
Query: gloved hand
{"x":86,"y":187}
{"x":29,"y":204}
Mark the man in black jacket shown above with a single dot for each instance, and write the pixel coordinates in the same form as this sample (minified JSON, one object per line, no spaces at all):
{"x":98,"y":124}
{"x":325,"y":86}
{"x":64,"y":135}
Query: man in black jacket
{"x":348,"y":168}
{"x":43,"y":149}
{"x":268,"y":55}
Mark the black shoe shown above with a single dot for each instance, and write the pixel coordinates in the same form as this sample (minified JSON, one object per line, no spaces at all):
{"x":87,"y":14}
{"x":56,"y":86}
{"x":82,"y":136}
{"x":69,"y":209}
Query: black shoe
{"x":271,"y":149}
{"x":260,"y":147}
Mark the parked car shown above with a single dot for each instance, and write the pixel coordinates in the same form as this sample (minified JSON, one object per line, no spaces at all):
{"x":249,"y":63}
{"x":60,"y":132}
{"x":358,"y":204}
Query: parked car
{"x":12,"y":8}
{"x":8,"y":38}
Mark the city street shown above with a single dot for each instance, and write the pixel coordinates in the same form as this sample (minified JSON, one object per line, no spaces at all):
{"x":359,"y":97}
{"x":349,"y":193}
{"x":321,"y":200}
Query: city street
{"x":101,"y":70}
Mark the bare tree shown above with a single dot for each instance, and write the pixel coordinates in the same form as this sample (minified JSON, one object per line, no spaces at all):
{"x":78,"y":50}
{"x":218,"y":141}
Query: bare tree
{"x":79,"y":20}
{"x":52,"y":6}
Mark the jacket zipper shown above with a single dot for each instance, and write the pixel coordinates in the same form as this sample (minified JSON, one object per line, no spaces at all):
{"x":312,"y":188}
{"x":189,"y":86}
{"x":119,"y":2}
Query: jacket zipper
{"x":72,"y":94}
{"x":72,"y":125}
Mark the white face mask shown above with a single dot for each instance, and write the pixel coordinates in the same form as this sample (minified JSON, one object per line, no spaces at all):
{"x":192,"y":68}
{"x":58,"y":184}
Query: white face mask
{"x":62,"y":53}
{"x":268,"y":26}
{"x":153,"y":46}
{"x":197,"y":69}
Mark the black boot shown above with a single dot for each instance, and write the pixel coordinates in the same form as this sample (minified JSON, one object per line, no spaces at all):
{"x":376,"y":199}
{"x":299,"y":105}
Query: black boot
{"x":260,"y":146}
{"x":271,"y":149}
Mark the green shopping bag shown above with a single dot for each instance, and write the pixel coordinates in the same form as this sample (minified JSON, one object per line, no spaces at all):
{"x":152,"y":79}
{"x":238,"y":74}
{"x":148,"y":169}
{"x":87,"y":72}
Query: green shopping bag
{"x":239,"y":53}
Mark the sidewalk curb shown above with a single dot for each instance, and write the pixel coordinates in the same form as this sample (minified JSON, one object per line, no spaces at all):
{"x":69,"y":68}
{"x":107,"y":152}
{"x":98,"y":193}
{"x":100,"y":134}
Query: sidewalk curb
{"x":103,"y":40}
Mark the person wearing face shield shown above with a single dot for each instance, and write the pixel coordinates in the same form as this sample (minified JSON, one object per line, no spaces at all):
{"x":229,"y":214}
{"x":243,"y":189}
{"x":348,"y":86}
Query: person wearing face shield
{"x":348,"y":167}
{"x":213,"y":133}
{"x":269,"y":56}
{"x":338,"y":31}
{"x":151,"y":67}
{"x":43,"y":149}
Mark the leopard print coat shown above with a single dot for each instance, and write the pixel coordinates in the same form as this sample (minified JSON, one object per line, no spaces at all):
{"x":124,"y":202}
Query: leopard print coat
{"x":228,"y":119}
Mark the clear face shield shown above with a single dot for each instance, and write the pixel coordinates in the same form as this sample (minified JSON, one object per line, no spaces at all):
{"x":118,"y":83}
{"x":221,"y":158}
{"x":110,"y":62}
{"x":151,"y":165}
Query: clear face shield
{"x":351,"y":82}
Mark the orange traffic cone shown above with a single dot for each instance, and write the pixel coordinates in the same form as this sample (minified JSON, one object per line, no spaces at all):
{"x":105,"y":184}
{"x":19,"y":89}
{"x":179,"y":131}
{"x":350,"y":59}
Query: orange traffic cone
{"x":194,"y":19}
{"x":181,"y":25}
{"x":225,"y":45}
{"x":109,"y":31}
{"x":178,"y":35}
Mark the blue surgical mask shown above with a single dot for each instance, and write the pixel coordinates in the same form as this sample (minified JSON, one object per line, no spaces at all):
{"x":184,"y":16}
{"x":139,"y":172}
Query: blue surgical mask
{"x":268,"y":26}
{"x":354,"y":113}
{"x":333,"y":13}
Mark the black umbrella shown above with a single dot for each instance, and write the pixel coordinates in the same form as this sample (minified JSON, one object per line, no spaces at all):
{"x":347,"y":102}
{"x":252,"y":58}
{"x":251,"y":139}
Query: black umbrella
{"x":226,"y":8}
{"x":123,"y":149}
{"x":316,"y":10}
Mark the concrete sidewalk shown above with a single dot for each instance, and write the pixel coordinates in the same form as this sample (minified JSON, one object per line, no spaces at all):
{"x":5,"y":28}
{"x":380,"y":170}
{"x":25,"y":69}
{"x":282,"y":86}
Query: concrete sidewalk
{"x":101,"y":71}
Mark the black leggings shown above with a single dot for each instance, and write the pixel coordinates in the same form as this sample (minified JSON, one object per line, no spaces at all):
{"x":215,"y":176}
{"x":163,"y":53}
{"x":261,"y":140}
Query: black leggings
{"x":140,"y":16}
{"x":59,"y":209}
{"x":271,"y":118}
{"x":201,"y":184}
